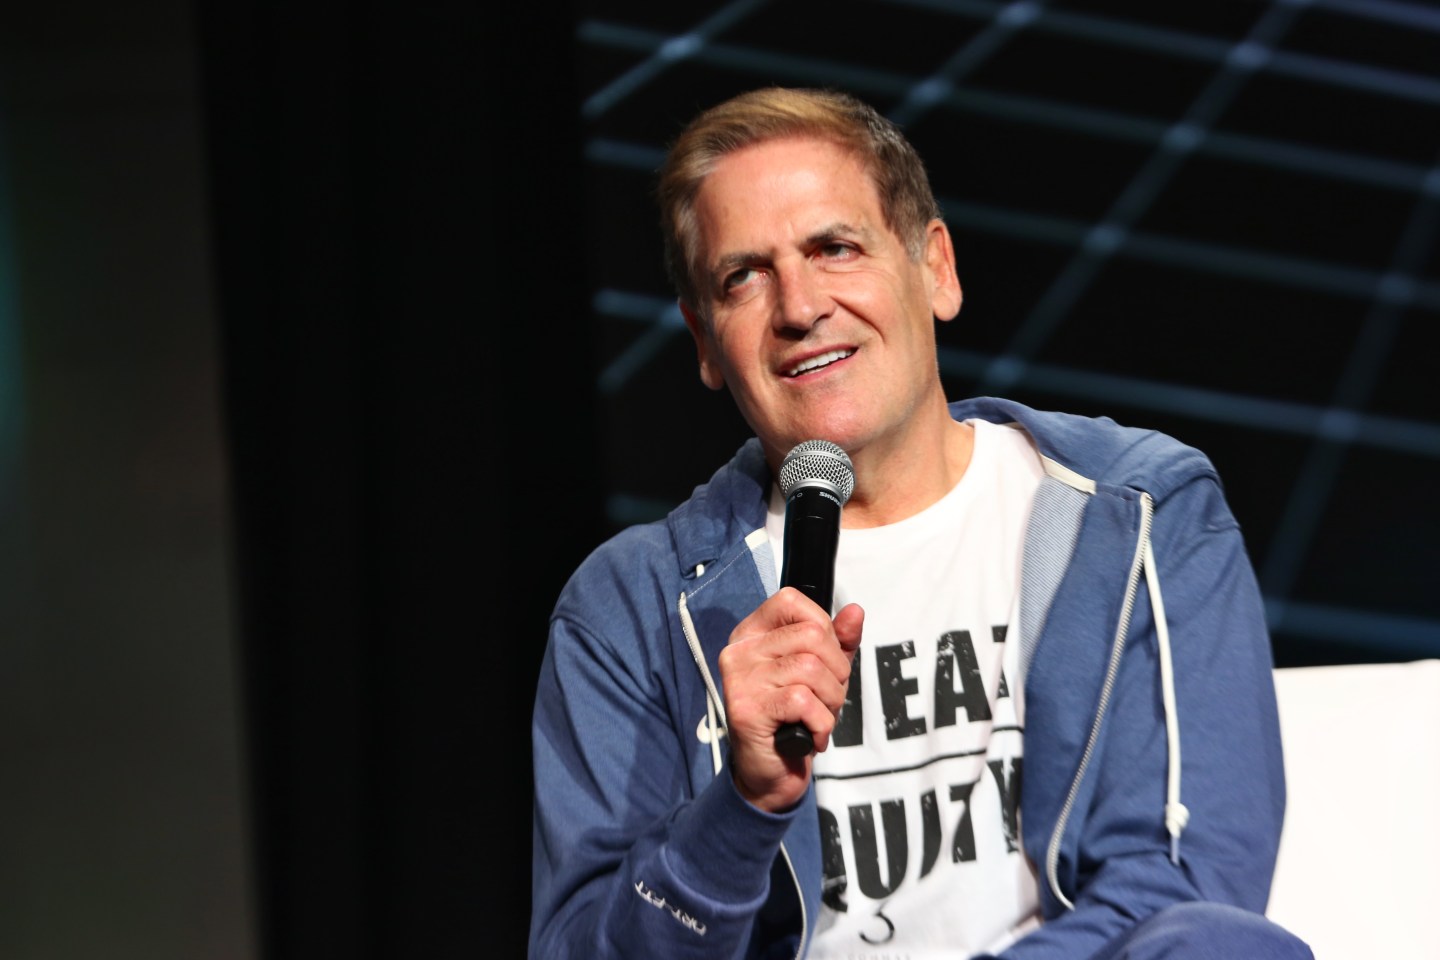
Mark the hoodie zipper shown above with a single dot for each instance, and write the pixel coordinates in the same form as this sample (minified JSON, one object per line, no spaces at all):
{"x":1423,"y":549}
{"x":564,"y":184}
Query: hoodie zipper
{"x":1117,"y":647}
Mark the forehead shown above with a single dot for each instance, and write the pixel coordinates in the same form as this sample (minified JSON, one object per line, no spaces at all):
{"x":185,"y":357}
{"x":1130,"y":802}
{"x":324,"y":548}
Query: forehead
{"x":790,"y":183}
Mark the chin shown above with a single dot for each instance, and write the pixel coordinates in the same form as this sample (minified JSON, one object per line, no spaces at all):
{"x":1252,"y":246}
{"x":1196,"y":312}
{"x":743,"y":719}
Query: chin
{"x":841,"y":433}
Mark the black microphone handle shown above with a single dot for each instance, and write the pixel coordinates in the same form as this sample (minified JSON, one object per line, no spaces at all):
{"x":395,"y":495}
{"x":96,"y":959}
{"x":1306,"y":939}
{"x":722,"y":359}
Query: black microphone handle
{"x":812,"y":535}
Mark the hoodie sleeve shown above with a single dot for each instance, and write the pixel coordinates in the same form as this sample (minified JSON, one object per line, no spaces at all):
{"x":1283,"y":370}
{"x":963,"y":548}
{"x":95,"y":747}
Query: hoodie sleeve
{"x":628,"y":861}
{"x":1117,"y":867}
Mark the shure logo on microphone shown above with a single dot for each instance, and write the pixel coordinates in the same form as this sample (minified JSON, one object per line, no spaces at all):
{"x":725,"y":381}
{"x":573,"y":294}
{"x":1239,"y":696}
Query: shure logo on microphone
{"x":819,"y":492}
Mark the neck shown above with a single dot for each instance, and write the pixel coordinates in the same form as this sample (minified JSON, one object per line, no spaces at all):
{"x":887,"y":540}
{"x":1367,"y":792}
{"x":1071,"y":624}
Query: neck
{"x":905,"y":477}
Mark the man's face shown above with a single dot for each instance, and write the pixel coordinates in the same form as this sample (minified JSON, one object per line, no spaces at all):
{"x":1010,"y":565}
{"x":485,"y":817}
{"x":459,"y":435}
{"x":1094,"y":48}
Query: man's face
{"x":818,"y":320}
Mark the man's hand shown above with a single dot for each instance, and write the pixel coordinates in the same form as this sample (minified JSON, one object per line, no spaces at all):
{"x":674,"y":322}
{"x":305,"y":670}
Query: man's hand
{"x":787,"y":662}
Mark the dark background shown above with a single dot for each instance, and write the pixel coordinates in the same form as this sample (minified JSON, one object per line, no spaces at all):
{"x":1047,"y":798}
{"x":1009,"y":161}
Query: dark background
{"x":333,"y":335}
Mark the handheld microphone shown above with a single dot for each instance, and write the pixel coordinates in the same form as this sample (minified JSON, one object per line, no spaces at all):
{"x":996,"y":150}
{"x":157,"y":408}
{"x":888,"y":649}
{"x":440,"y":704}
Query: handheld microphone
{"x":816,"y":479}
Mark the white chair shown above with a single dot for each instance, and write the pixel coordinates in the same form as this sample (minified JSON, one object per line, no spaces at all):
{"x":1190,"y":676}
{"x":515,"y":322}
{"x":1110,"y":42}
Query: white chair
{"x":1359,"y":867}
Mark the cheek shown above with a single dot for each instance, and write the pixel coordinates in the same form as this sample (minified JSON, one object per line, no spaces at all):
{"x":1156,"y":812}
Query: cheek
{"x":880,"y":293}
{"x":738,"y":338}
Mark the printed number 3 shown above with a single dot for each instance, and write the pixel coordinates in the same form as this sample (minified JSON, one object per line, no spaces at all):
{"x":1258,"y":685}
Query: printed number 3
{"x":889,"y":929}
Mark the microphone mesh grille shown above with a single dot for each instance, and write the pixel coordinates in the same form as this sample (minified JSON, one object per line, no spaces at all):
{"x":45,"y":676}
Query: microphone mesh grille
{"x":818,"y":460}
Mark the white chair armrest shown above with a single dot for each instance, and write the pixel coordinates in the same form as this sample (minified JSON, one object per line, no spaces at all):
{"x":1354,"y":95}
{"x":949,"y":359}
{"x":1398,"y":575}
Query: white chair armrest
{"x":1357,"y":873}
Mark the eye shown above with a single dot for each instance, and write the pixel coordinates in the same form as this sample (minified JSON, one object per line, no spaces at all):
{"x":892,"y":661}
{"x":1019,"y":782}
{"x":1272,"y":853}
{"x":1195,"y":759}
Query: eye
{"x":836,"y":250}
{"x":739,"y":279}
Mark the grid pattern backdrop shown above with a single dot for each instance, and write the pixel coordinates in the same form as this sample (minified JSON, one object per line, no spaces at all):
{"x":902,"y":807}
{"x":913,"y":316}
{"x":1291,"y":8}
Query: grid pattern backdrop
{"x":1217,"y":218}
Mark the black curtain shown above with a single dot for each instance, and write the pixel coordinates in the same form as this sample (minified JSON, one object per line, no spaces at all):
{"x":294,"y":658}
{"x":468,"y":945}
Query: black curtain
{"x":412,"y":439}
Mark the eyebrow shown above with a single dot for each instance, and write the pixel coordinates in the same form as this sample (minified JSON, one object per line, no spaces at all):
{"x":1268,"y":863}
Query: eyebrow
{"x":732,"y":260}
{"x":837,"y":230}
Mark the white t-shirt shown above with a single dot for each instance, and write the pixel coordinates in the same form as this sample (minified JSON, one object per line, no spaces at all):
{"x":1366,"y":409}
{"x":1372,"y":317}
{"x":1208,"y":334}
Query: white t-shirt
{"x":919,"y":791}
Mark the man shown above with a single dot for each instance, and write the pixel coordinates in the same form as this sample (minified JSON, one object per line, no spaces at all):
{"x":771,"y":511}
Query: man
{"x":1005,"y":567}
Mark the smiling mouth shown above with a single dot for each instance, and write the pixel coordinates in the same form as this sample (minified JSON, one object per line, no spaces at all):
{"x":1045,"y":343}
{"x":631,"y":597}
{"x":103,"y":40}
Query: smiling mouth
{"x":816,"y":362}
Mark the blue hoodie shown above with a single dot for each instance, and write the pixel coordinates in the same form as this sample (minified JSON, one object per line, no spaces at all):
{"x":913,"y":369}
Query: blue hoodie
{"x":1153,"y":768}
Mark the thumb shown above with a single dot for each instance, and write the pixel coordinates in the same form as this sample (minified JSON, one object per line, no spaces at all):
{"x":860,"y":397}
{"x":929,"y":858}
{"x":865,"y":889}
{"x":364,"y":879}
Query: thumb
{"x":849,"y":624}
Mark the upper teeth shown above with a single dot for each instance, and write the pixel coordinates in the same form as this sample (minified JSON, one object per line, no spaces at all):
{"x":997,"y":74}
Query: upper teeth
{"x":819,"y":361}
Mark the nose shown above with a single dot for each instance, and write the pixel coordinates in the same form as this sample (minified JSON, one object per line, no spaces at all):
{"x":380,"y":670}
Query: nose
{"x":803,"y":296}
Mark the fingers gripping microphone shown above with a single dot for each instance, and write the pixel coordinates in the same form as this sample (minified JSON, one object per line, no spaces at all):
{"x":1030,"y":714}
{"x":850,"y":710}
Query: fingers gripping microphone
{"x":816,"y":479}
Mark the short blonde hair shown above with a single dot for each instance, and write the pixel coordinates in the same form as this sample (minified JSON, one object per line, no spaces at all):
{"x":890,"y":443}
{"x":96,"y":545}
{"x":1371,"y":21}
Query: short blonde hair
{"x":774,"y":113}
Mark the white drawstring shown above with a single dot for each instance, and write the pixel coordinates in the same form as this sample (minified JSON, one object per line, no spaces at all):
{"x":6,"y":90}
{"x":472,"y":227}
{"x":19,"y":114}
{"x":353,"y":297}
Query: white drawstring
{"x":1176,"y":813}
{"x":714,"y":706}
{"x":714,"y":731}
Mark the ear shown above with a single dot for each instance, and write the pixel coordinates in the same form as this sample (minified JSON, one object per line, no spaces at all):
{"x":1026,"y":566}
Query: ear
{"x":710,"y":373}
{"x":945,"y":293}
